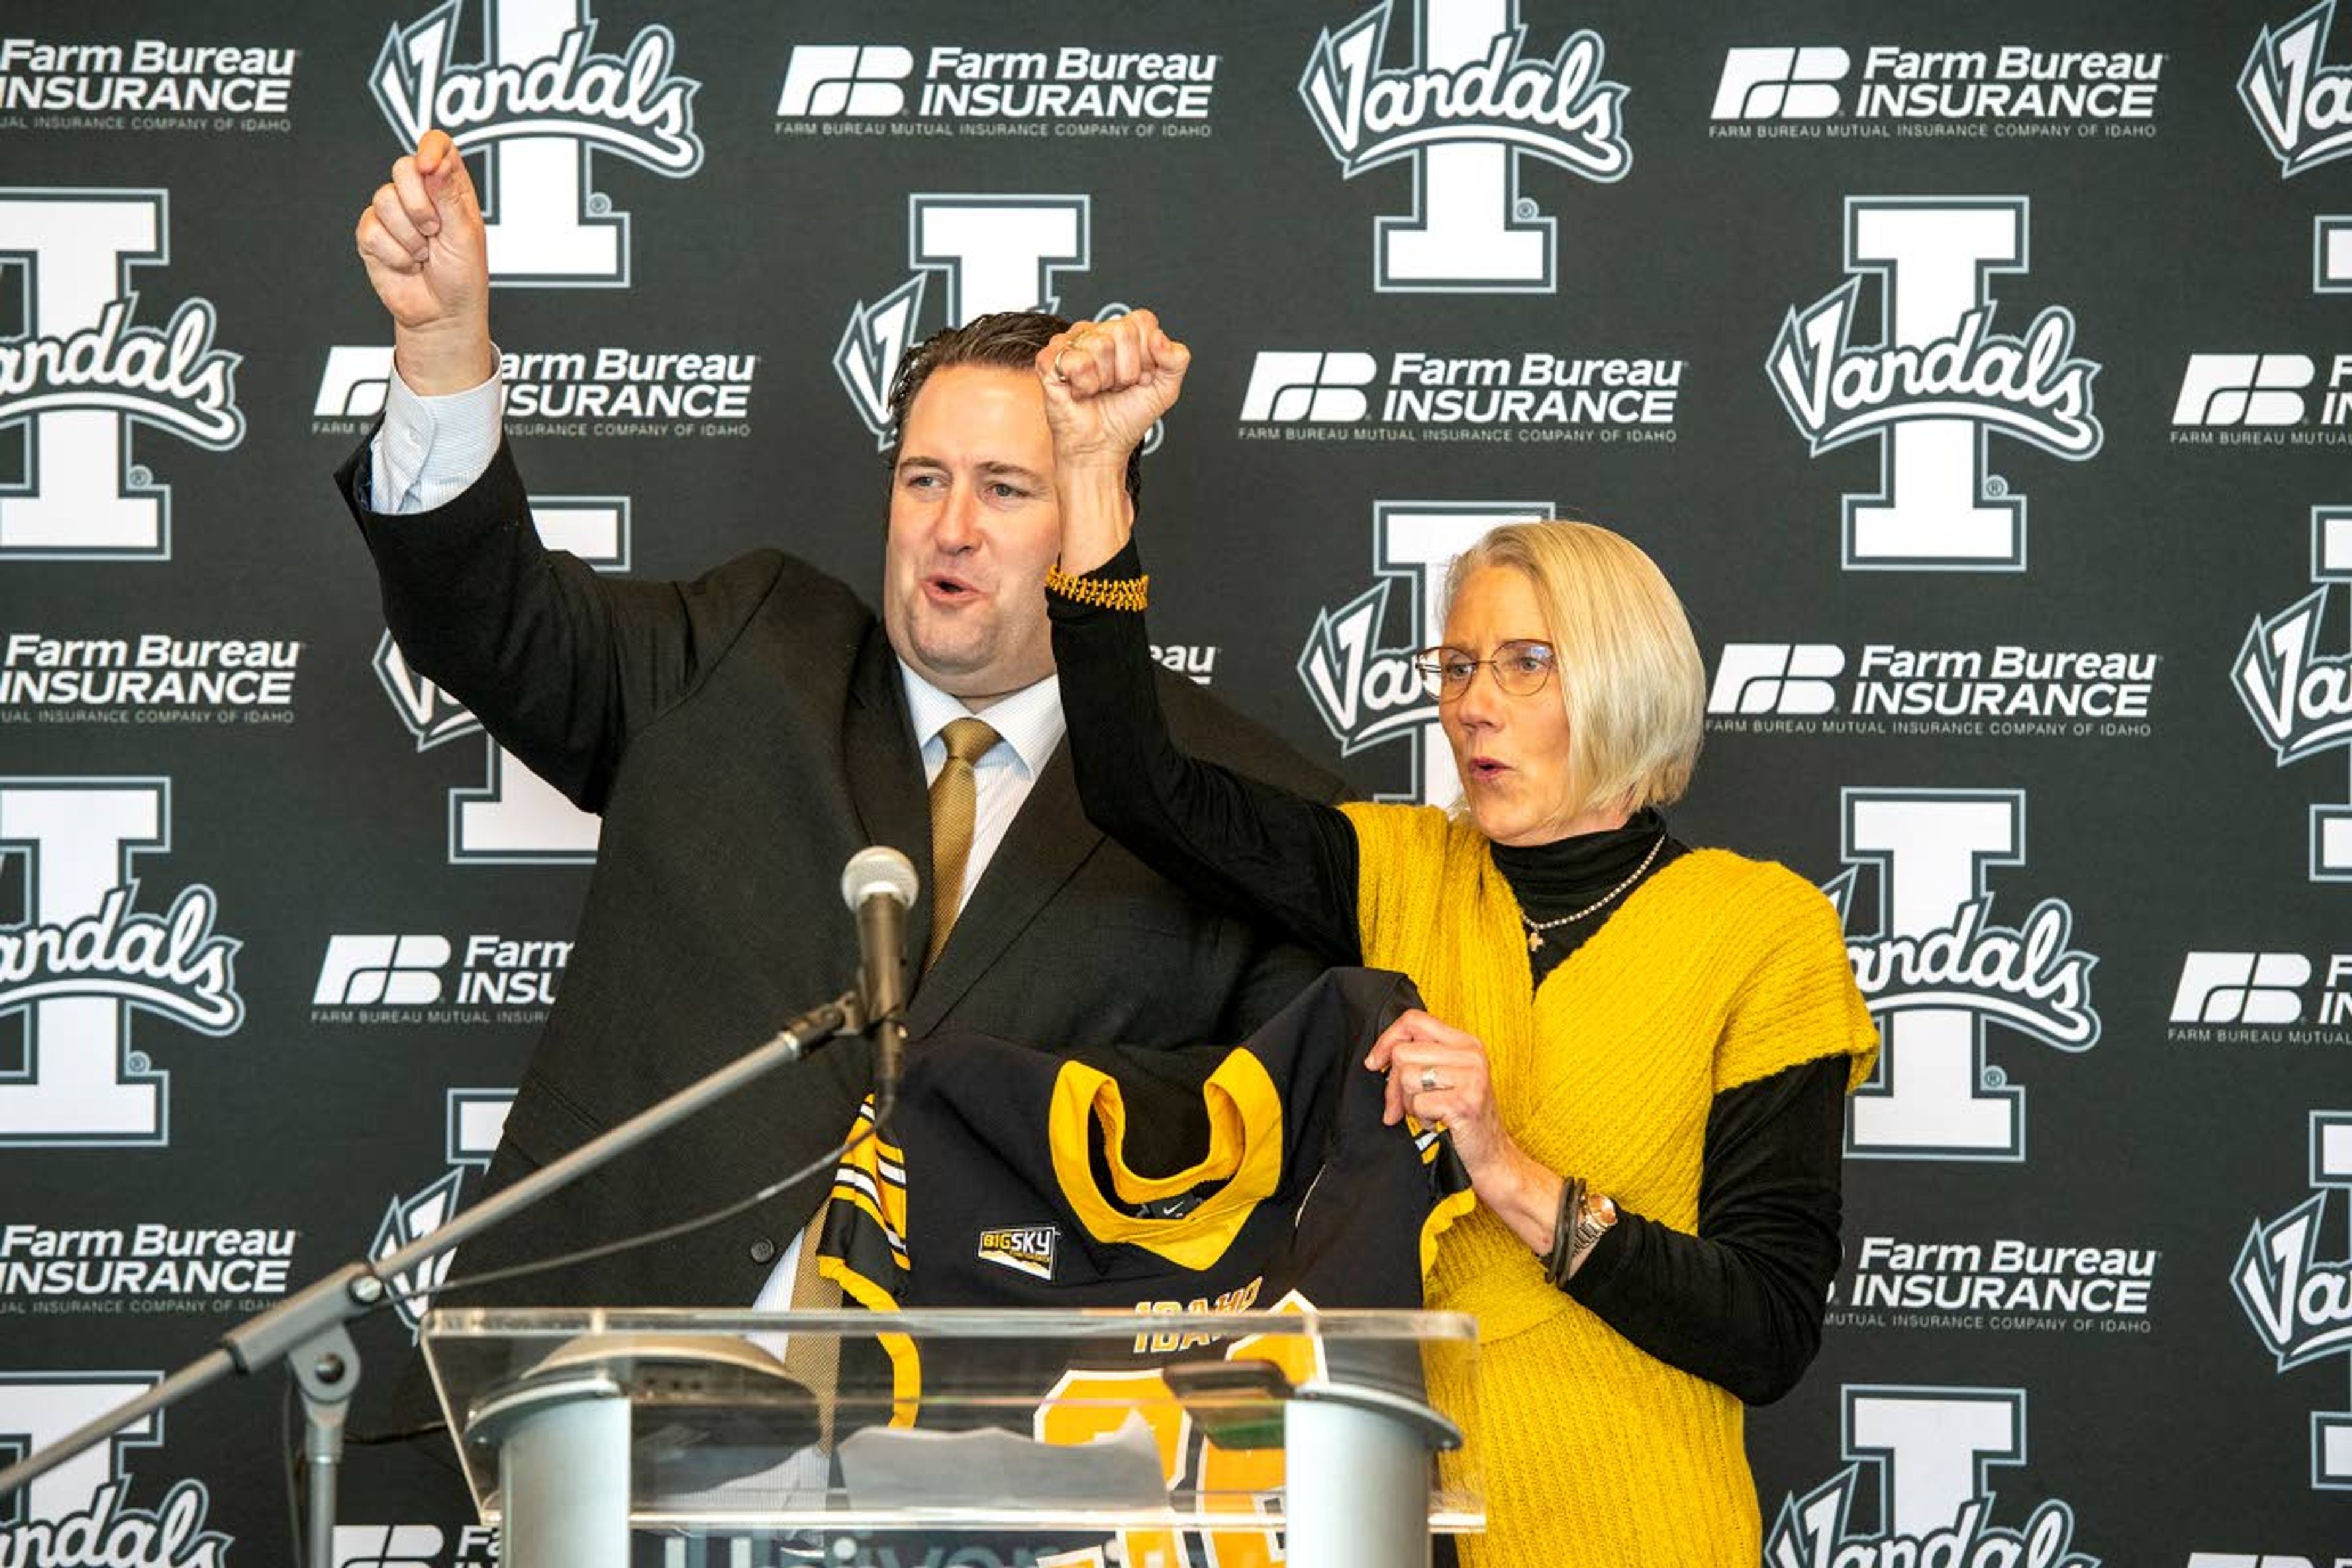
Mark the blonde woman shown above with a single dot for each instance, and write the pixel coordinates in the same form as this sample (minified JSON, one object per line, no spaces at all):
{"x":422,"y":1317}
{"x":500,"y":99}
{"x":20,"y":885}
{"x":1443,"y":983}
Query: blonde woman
{"x":1641,"y":1049}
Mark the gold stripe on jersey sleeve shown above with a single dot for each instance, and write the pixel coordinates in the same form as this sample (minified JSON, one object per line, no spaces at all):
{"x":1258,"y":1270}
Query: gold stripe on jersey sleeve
{"x":906,"y":1361}
{"x":1246,"y":1142}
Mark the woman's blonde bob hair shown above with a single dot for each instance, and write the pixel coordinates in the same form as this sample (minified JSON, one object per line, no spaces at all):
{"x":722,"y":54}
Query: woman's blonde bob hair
{"x":1628,"y":670}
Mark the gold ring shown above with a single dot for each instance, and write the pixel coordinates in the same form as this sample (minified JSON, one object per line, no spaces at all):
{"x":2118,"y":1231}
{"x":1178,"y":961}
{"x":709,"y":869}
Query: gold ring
{"x":1059,"y":375}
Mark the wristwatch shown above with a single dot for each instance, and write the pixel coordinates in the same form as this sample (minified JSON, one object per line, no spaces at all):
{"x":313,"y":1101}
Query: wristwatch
{"x":1592,"y":1222}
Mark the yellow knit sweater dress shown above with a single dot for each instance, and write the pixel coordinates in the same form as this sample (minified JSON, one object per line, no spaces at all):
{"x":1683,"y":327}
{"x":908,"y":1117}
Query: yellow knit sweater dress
{"x":1717,"y":972}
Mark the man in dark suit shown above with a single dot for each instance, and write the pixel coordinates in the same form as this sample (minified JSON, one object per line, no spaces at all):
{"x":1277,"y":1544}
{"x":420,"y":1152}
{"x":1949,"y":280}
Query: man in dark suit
{"x":742,"y":734}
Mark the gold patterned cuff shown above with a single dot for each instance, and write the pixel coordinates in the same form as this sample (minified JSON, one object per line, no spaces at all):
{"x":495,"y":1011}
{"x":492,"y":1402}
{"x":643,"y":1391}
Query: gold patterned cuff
{"x":1112,"y":593}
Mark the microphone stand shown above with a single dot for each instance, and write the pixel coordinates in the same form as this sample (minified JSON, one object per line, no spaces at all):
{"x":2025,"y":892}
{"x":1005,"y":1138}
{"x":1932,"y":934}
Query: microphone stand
{"x":310,"y":1327}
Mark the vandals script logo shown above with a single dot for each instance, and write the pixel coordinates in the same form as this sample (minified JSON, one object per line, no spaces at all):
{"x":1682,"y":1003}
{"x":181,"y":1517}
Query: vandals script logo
{"x":537,"y":109}
{"x":1931,"y":1452}
{"x":1363,"y":683}
{"x":2302,"y":109}
{"x":474,"y":1118}
{"x":518,"y":818}
{"x":1463,"y":114}
{"x":79,"y":1515}
{"x":1940,"y":971}
{"x":1941,"y":384}
{"x":2300,"y":1303}
{"x":83,"y":959}
{"x":82,"y":375}
{"x":987,"y":254}
{"x":2300,"y":698}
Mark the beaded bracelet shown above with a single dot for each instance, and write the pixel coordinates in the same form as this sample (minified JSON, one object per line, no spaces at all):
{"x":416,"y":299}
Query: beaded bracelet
{"x":1114,"y":594}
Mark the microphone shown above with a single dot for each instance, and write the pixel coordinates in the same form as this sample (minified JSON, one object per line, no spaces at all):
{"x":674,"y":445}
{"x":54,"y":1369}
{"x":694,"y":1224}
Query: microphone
{"x":878,"y":884}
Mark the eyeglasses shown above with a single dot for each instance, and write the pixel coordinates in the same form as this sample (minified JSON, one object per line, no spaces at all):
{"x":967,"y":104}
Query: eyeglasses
{"x":1521,"y":668}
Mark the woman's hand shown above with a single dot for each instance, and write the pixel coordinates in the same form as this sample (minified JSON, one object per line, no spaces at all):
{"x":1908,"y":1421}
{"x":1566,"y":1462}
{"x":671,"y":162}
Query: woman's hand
{"x":1438,"y":1075}
{"x":1106,"y":384}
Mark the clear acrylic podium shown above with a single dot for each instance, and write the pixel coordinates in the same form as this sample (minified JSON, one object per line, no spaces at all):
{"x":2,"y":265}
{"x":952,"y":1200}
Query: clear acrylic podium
{"x":1111,"y":1436}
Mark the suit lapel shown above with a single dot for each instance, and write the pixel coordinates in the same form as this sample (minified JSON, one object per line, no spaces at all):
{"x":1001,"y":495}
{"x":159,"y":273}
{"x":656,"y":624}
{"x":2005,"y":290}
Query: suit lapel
{"x":886,"y":774}
{"x":1048,"y":839}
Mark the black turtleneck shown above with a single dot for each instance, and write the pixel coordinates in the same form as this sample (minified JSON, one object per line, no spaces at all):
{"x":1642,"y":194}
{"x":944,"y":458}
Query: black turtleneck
{"x":1740,"y":1302}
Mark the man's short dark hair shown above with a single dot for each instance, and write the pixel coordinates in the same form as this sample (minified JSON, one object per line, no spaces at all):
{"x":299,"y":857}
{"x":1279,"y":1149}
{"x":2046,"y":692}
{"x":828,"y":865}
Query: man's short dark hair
{"x":1006,"y":340}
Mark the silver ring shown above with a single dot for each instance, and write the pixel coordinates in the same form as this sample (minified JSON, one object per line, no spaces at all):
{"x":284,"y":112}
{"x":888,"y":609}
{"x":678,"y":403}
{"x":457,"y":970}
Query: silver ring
{"x":1429,"y":1079}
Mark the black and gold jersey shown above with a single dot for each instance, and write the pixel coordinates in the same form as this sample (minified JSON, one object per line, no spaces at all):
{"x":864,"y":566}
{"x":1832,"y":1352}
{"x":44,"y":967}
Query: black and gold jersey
{"x":1208,"y":1178}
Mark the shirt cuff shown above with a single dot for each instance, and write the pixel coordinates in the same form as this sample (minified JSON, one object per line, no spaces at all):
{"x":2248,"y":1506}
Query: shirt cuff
{"x":430,"y":451}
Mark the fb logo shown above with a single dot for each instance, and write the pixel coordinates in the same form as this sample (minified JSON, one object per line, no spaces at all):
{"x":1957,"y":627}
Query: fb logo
{"x":83,"y":960}
{"x":380,"y":971}
{"x":82,"y":375}
{"x":2302,"y":109}
{"x":2241,"y":988}
{"x":82,"y":1500}
{"x":1294,"y":389}
{"x":828,"y":80}
{"x":387,"y":1545}
{"x":473,"y":1120}
{"x":1932,"y":1452}
{"x":1777,"y":678}
{"x":1938,"y":386}
{"x":2296,"y":1298}
{"x":2243,"y":389}
{"x":355,"y":382}
{"x":537,"y":109}
{"x":2300,"y":698}
{"x":1366,"y":690}
{"x":1464,"y":115}
{"x":517,"y":817}
{"x":1780,"y":84}
{"x":1940,"y":971}
{"x":988,"y":254}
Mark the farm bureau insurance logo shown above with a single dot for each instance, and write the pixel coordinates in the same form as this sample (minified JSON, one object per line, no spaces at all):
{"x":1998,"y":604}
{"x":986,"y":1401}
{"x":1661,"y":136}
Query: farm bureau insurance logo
{"x":1357,"y":661}
{"x":536,"y":110}
{"x":600,"y":393}
{"x":2008,"y":1285}
{"x":1464,"y":113}
{"x":1890,"y":688}
{"x":1924,"y":1457}
{"x":1939,"y":970}
{"x":82,"y":374}
{"x":150,"y":84}
{"x":158,"y":1266}
{"x":2300,"y":698}
{"x":404,"y":977}
{"x":80,"y":1515}
{"x":2259,"y":400}
{"x":2261,"y":998}
{"x":85,"y":958}
{"x":1071,"y":90}
{"x":153,"y":678}
{"x":515,"y":817}
{"x":1529,"y":396}
{"x":986,"y":253}
{"x":1940,"y":385}
{"x":2007,"y":90}
{"x":2300,"y":1303}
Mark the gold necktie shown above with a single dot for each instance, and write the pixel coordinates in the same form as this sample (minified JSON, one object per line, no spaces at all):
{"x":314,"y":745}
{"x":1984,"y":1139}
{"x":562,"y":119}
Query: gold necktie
{"x":954,"y":795}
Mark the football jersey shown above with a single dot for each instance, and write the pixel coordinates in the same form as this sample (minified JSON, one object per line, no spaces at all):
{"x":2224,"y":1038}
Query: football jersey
{"x":1009,"y":1177}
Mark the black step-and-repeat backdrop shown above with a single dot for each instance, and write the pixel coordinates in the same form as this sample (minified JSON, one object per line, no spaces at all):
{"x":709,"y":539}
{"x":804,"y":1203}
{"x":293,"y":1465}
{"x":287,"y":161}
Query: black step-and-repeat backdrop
{"x":1982,"y":375}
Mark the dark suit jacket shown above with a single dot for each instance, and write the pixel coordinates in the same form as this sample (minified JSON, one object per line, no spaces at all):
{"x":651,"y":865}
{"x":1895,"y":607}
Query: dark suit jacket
{"x":743,"y":735}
